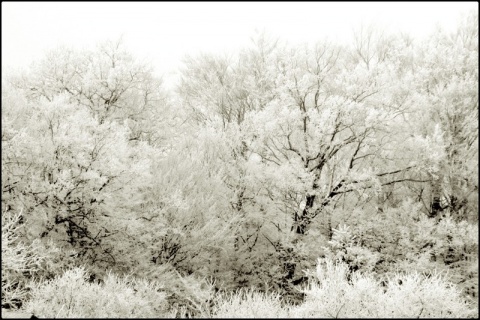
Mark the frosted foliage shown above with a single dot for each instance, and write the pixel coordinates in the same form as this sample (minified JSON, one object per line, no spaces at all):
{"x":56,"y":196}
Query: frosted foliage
{"x":336,"y":292}
{"x":250,"y":304}
{"x":107,"y":82}
{"x":341,"y":237}
{"x":224,"y":191}
{"x":64,"y":162}
{"x":339,"y":293}
{"x":17,"y":258}
{"x":72,"y":296}
{"x":77,"y":139}
{"x":431,"y":148}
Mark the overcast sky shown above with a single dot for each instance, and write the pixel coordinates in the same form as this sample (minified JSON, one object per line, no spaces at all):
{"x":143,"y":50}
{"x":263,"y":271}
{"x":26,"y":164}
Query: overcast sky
{"x":163,"y":32}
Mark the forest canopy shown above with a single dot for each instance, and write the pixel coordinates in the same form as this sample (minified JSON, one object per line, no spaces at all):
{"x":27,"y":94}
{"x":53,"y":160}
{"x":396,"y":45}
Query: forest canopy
{"x":319,"y":180}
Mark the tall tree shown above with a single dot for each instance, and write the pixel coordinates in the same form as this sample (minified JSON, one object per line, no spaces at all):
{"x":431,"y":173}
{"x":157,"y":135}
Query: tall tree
{"x":449,"y":81}
{"x":109,"y":82}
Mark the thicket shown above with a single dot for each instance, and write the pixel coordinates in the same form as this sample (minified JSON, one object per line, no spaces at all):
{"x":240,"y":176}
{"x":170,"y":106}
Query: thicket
{"x":287,"y":181}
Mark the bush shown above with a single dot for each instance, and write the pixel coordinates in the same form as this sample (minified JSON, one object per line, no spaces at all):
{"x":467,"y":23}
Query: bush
{"x":337,"y":292}
{"x":19,"y":261}
{"x":23,"y":260}
{"x":188,"y":296}
{"x":404,"y":239}
{"x":72,"y":296}
{"x":249,"y":304}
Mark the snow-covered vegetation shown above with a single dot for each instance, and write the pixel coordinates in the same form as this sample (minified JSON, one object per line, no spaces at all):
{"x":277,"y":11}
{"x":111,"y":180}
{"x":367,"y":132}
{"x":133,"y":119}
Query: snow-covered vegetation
{"x":285,"y":181}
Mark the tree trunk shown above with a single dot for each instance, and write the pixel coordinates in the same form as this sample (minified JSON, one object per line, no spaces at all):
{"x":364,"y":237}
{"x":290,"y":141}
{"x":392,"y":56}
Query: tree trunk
{"x":383,"y":197}
{"x":302,"y":220}
{"x":436,"y":204}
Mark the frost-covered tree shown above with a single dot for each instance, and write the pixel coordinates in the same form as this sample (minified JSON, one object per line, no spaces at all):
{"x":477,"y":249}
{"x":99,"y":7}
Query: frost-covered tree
{"x":70,"y":175}
{"x":448,"y":79}
{"x":109,"y":82}
{"x":79,"y":131}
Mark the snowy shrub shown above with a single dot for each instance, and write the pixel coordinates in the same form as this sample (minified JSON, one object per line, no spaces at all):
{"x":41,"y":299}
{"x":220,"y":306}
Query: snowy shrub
{"x":338,"y":292}
{"x":344,"y":247}
{"x":249,"y":304}
{"x":19,"y":260}
{"x":73,"y":296}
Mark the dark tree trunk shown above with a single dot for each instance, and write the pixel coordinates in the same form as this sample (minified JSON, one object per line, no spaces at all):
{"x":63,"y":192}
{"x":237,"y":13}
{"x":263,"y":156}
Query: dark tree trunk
{"x":436,"y":205}
{"x":302,"y":220}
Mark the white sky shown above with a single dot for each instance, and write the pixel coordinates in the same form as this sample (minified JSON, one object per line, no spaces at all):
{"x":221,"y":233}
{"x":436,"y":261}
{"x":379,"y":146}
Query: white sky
{"x":163,"y":32}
